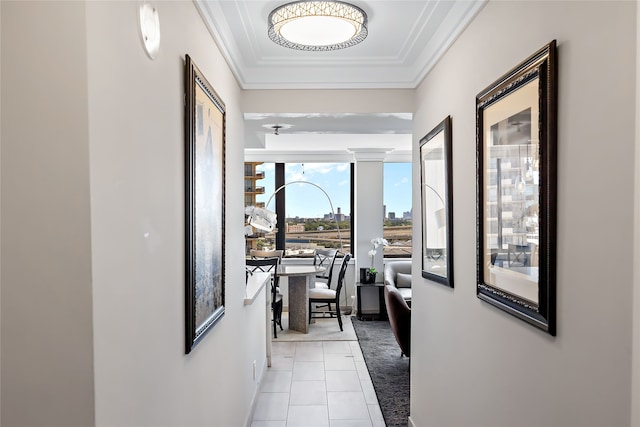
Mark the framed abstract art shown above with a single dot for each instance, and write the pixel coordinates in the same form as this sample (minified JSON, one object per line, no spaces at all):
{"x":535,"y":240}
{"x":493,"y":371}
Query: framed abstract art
{"x":204,"y":205}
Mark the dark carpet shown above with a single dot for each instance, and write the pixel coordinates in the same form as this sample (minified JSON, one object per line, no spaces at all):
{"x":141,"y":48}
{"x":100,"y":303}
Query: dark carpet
{"x":389,"y":372}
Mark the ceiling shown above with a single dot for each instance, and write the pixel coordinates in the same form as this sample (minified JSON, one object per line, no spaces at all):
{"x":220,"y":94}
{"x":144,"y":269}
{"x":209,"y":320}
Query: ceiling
{"x":406,"y":38}
{"x":260,"y":131}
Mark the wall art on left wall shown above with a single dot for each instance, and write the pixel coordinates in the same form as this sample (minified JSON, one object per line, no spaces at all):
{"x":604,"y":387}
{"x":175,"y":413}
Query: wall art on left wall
{"x":204,"y":153}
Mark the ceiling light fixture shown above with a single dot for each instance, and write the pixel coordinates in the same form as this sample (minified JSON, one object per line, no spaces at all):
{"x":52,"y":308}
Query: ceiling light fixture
{"x":317,"y":25}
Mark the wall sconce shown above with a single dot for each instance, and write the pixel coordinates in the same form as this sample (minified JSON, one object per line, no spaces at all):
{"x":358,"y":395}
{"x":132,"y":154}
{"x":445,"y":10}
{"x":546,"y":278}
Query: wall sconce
{"x":149,"y":26}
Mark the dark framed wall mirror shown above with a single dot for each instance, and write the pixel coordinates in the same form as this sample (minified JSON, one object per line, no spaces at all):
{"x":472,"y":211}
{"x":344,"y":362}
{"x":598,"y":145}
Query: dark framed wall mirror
{"x":436,"y":182}
{"x":516,"y":158}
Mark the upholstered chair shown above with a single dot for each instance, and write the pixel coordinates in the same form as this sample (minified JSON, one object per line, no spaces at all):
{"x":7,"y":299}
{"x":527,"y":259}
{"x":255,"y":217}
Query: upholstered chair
{"x":399,"y":318}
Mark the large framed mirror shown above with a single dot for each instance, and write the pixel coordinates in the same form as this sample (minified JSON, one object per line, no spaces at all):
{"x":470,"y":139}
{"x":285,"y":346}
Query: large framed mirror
{"x":436,"y":182}
{"x":516,"y":158}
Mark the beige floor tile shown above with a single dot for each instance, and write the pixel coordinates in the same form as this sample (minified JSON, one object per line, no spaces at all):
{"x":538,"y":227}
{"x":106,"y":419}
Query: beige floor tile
{"x":309,"y":352}
{"x":336,"y":347}
{"x":283,"y":348}
{"x":281,"y":363}
{"x":308,"y":416}
{"x":276,"y":382}
{"x":339,"y":362}
{"x":271,"y":407}
{"x":347,"y":405}
{"x":362,"y":370}
{"x":308,"y":371}
{"x":343,"y":381}
{"x":350,"y":423}
{"x":308,"y":393}
{"x":369,"y":392}
{"x":262,"y":423}
{"x":356,"y":351}
{"x":376,"y":416}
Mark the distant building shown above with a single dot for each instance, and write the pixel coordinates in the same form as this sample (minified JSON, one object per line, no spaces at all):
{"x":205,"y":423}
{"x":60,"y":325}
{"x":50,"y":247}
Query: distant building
{"x":251,"y":189}
{"x":406,"y":215}
{"x":295,"y":228}
{"x":392,"y":216}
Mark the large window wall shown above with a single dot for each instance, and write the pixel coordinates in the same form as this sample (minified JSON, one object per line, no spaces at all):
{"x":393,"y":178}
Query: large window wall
{"x":398,"y":212}
{"x":311,"y":219}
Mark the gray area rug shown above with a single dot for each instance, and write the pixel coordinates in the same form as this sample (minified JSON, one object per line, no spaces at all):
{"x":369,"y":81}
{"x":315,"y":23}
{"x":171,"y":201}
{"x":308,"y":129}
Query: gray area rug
{"x":388,"y":370}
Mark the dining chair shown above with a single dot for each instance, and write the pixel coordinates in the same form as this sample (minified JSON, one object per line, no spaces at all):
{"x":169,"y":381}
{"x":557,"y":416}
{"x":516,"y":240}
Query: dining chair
{"x":257,"y":253}
{"x":270,"y":265}
{"x":325,"y":258}
{"x":331,"y":296}
{"x":518,"y":255}
{"x":261,"y":254}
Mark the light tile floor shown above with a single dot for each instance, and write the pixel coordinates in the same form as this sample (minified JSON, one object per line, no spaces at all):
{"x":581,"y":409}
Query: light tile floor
{"x":323,"y":384}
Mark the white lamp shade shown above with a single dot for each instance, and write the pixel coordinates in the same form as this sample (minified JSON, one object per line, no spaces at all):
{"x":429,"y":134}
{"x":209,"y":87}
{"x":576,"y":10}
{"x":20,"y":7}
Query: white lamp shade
{"x":260,"y":218}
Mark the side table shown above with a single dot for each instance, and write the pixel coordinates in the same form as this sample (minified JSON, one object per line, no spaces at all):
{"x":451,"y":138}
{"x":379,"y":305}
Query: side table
{"x":382,"y":308}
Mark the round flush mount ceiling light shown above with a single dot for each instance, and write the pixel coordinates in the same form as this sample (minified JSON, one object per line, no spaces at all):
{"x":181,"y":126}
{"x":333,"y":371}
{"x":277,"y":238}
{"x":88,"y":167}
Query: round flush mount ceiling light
{"x":317,"y":25}
{"x":149,"y":29}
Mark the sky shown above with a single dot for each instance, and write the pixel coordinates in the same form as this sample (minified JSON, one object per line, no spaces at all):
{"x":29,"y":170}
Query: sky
{"x":308,"y":201}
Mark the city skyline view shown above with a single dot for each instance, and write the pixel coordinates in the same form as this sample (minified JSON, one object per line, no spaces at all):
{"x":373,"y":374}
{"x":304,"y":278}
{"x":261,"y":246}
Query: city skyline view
{"x":307,"y":201}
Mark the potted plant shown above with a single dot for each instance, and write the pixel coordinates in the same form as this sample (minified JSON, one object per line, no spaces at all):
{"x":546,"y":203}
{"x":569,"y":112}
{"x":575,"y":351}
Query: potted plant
{"x":368,"y":275}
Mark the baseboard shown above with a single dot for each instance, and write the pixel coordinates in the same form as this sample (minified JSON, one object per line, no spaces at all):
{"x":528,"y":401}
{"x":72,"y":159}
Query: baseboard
{"x":411,"y":423}
{"x":256,"y":393}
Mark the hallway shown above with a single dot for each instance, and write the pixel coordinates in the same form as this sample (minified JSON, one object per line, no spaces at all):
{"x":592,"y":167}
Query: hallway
{"x":317,"y":383}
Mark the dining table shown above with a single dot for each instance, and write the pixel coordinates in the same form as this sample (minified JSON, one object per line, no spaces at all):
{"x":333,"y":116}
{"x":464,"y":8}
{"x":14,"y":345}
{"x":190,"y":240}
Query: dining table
{"x":300,"y":278}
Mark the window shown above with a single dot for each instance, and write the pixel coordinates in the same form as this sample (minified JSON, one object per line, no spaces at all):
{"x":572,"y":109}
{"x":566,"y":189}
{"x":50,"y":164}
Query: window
{"x":398,"y":212}
{"x":309,"y":222}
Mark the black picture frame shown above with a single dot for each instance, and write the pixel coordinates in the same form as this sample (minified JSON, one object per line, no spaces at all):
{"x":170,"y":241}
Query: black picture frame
{"x":516,"y":124}
{"x":205,"y":120}
{"x":436,"y":183}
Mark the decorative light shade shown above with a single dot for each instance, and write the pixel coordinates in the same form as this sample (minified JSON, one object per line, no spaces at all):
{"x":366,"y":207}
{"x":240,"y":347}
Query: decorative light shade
{"x":318,"y":25}
{"x":261,"y":218}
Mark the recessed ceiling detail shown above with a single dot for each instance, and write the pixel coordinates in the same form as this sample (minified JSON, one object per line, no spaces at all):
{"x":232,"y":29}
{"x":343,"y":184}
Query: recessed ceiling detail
{"x":306,"y":127}
{"x":406,"y":39}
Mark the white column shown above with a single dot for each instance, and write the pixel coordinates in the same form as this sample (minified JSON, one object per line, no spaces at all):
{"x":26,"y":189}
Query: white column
{"x":369,"y":207}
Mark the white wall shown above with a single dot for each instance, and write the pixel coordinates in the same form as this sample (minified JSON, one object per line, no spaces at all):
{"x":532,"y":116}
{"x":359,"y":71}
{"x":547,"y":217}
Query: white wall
{"x":93,"y":225}
{"x":142,"y":376}
{"x":0,"y":218}
{"x":474,"y":365}
{"x":635,"y":384}
{"x":328,"y":101}
{"x":47,"y":351}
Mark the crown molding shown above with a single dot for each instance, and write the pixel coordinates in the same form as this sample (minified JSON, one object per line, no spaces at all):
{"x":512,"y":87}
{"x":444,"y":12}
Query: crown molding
{"x":236,"y":28}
